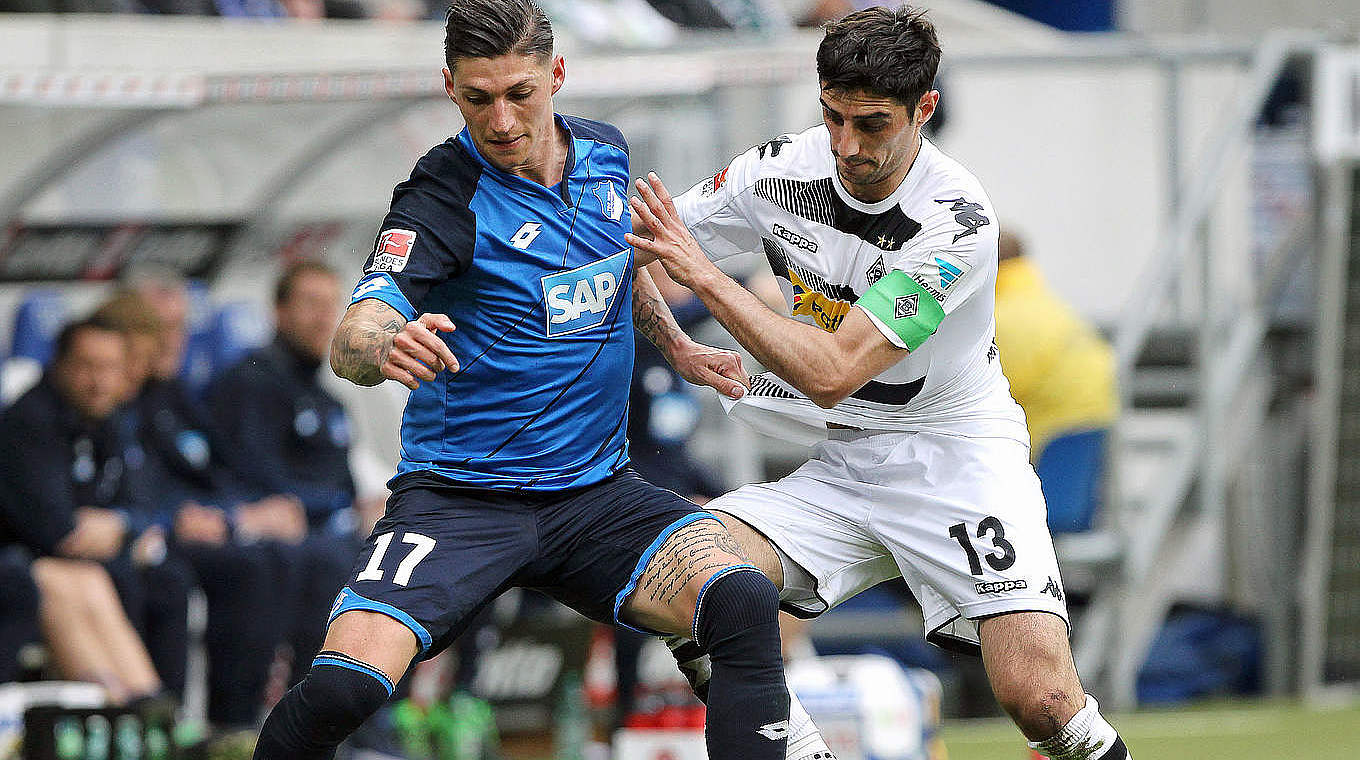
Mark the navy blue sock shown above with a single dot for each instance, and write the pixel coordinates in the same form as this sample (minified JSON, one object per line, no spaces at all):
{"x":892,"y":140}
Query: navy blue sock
{"x":317,"y":714}
{"x":736,"y":622}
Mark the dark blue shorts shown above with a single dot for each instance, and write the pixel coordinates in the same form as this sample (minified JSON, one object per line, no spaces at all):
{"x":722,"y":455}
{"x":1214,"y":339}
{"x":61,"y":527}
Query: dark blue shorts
{"x":442,"y":552}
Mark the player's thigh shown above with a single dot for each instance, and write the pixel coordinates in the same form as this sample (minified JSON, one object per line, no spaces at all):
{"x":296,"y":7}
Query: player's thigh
{"x":433,"y":560}
{"x":374,"y":639}
{"x":756,"y":548}
{"x":1020,"y":648}
{"x":668,"y":590}
{"x":812,"y":525}
{"x":965,"y":520}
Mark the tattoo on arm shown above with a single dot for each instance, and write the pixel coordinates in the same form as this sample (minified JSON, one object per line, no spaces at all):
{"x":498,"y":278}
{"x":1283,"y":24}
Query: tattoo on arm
{"x":363,"y":341}
{"x":651,"y":316}
{"x":697,"y":550}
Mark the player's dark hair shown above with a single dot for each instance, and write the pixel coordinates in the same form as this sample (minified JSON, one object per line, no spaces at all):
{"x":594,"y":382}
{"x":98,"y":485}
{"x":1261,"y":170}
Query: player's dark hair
{"x":885,"y":51}
{"x":492,"y":28}
{"x":66,"y":339}
{"x":283,"y":289}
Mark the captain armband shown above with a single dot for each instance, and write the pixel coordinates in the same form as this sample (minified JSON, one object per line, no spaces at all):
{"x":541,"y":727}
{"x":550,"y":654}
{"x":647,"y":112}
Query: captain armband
{"x":899,"y":304}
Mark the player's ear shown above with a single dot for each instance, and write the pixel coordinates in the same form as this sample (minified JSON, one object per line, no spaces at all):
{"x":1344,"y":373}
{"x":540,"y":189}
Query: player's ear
{"x":559,"y":73}
{"x":448,"y":83}
{"x":925,"y":107}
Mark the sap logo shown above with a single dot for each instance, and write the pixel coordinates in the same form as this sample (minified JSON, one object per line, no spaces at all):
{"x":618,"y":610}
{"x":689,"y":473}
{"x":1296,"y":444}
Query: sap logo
{"x":999,"y":587}
{"x":806,"y":244}
{"x":526,"y":235}
{"x":579,"y":299}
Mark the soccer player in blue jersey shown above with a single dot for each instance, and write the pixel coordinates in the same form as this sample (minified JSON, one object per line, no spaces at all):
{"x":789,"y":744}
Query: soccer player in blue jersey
{"x":514,"y":468}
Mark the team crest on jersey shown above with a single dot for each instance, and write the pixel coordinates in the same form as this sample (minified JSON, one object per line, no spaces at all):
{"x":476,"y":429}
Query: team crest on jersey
{"x":905,"y":307}
{"x":966,"y":213}
{"x":826,"y":313}
{"x":611,"y":203}
{"x":580,"y":299}
{"x":714,"y":184}
{"x":876,"y":271}
{"x":392,"y":251}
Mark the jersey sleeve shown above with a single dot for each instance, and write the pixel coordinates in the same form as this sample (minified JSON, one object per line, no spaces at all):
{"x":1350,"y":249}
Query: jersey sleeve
{"x":426,"y":238}
{"x":715,"y":210}
{"x":937,"y":271}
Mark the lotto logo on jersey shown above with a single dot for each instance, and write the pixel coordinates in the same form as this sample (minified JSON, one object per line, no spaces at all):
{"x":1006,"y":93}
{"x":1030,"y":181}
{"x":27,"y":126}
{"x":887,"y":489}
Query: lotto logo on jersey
{"x":581,"y":298}
{"x":392,"y":251}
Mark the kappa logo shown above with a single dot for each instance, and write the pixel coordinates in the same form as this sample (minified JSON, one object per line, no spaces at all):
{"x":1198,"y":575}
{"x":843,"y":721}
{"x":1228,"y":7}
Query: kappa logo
{"x":579,"y":299}
{"x":774,"y":731}
{"x":966,"y":213}
{"x":392,"y":251}
{"x":876,"y":271}
{"x":1053,"y":588}
{"x":999,"y":587}
{"x":906,"y":306}
{"x":611,"y":203}
{"x":526,"y":235}
{"x":774,"y":146}
{"x":797,"y":240}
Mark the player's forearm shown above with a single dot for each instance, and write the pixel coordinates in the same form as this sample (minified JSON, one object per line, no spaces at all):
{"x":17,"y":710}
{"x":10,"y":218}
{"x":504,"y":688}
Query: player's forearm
{"x":804,"y":356}
{"x":363,"y":342}
{"x":651,"y":316}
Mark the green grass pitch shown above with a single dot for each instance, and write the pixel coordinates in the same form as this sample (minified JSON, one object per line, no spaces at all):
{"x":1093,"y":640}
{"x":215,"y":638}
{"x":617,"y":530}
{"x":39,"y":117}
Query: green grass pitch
{"x":1238,"y":731}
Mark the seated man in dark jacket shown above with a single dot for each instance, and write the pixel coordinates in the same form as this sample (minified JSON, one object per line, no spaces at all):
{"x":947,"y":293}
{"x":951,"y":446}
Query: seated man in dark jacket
{"x":71,"y":486}
{"x":239,"y":563}
{"x":287,"y":434}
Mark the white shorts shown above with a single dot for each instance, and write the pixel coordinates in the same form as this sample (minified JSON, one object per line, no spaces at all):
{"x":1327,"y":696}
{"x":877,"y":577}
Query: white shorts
{"x":962,"y":520}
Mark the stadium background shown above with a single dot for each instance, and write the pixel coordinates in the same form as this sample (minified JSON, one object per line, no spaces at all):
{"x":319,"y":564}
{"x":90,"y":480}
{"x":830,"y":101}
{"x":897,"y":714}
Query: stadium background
{"x":1185,"y":173}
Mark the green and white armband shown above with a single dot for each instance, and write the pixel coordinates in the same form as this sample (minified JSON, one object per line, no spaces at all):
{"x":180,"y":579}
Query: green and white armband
{"x":900,"y":303}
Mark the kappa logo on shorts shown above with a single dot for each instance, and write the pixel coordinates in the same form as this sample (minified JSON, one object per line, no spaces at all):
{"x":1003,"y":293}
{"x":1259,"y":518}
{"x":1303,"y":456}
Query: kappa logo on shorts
{"x":1053,"y":588}
{"x":392,"y":251}
{"x":905,"y":308}
{"x":999,"y":587}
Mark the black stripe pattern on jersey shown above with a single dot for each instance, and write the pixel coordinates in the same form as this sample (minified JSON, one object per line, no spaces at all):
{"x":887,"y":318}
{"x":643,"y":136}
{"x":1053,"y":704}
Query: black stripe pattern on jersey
{"x":816,"y":201}
{"x":781,"y":265}
{"x":890,"y":394}
{"x":764,"y":386}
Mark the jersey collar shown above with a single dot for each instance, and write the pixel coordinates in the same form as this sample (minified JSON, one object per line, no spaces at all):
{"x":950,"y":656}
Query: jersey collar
{"x":912,"y":177}
{"x":559,"y":192}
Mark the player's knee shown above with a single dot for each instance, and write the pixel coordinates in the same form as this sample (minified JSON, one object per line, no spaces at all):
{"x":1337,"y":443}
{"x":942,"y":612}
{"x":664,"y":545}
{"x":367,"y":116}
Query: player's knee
{"x":1039,"y":709}
{"x":735,"y":603}
{"x":337,"y":695}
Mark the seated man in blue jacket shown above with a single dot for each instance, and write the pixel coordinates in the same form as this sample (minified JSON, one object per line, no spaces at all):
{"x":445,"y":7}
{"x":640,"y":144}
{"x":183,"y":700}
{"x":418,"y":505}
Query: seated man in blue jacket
{"x":288,"y":435}
{"x":71,"y":485}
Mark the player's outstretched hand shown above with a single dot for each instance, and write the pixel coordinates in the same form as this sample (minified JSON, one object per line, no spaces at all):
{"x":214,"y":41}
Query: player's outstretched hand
{"x":418,"y":353}
{"x":671,"y":242}
{"x":716,"y":368}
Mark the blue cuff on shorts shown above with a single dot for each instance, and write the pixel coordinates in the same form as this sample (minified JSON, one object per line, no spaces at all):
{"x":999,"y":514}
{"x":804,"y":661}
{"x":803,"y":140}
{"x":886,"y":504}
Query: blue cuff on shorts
{"x":348,"y":600}
{"x":646,"y":558}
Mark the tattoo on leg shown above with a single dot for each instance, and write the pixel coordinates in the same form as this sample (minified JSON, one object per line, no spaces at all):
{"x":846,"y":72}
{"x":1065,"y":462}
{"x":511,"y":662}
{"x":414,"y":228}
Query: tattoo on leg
{"x":700,"y":548}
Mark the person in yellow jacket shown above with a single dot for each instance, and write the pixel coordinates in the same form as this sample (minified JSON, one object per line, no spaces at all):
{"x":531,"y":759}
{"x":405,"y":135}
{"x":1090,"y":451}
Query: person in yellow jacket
{"x":1062,"y":373}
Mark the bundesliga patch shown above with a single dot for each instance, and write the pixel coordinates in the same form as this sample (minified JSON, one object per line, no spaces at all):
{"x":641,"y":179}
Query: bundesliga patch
{"x":714,"y":184}
{"x":905,"y":308}
{"x":392,"y":251}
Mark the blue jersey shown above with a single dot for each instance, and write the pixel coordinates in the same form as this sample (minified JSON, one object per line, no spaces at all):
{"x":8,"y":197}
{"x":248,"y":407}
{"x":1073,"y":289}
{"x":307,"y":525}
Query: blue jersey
{"x":538,"y":281}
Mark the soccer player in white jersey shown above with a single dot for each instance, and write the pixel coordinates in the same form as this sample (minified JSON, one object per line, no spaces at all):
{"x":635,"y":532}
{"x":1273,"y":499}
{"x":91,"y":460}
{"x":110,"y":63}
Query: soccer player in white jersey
{"x":887,"y":251}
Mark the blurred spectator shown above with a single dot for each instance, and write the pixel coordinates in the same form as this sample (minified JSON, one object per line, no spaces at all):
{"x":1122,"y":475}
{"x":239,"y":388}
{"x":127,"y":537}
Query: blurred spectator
{"x":1062,"y":373}
{"x":196,"y":499}
{"x":70,"y":486}
{"x":747,"y":15}
{"x":288,"y":435}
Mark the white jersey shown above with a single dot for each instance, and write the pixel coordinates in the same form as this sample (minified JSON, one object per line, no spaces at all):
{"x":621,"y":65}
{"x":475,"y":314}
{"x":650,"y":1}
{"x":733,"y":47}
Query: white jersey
{"x":784,"y":199}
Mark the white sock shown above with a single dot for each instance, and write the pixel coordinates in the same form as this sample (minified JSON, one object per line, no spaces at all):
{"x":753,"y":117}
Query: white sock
{"x":1086,"y":737}
{"x":805,"y":740}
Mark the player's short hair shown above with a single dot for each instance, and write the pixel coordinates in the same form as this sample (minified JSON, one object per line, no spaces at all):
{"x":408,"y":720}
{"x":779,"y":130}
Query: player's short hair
{"x":492,"y":28}
{"x":287,"y":282}
{"x":886,"y":51}
{"x":66,"y":339}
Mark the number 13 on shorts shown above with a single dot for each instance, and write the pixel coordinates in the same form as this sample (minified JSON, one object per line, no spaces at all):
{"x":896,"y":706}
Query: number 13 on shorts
{"x":422,"y":546}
